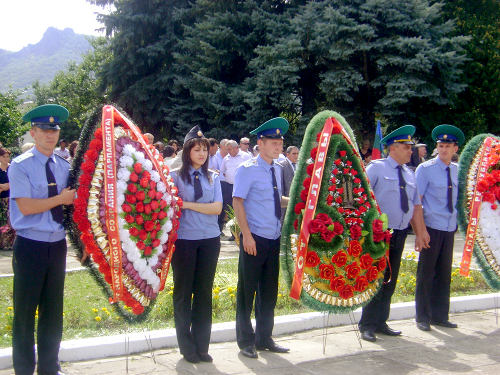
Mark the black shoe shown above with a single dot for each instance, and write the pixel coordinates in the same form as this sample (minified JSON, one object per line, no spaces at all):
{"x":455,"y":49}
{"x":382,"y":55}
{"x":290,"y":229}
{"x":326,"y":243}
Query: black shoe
{"x":249,"y":351}
{"x":368,"y":336}
{"x":192,"y":358}
{"x":273,"y":347}
{"x":205,"y":357}
{"x":386,"y":330}
{"x":446,"y":324}
{"x":423,"y":326}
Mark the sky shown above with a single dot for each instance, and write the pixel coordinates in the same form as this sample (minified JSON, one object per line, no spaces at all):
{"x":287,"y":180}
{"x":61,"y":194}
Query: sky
{"x":23,"y":22}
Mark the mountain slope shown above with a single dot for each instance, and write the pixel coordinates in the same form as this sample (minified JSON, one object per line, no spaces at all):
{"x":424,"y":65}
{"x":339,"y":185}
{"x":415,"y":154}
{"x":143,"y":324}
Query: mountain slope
{"x":42,"y":60}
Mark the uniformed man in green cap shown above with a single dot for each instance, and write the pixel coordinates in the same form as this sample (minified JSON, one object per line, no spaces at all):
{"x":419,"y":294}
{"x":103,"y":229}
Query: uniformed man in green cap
{"x":395,"y":189}
{"x":38,"y":190}
{"x":257,"y":198}
{"x":437,"y":181}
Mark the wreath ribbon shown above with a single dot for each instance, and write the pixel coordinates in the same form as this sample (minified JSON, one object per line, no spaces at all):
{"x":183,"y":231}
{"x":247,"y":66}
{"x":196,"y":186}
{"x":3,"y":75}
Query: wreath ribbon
{"x":311,"y":203}
{"x":475,"y":209}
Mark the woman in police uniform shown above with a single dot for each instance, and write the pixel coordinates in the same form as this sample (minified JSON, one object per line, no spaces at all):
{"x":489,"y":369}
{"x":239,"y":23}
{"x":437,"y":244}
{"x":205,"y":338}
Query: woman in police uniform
{"x":196,"y":249}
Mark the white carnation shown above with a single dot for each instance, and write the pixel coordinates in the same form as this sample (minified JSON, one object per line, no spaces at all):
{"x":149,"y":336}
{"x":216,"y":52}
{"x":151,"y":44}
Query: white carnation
{"x":147,"y":165}
{"x":155,"y":176}
{"x":128,"y":149}
{"x":160,"y":186}
{"x":123,"y":174}
{"x":126,"y":161}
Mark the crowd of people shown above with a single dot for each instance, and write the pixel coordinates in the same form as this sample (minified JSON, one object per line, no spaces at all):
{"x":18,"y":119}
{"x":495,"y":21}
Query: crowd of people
{"x":210,"y":177}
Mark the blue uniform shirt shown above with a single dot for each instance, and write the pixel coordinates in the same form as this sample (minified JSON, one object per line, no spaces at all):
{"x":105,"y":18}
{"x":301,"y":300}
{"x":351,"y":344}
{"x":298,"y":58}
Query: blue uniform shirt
{"x":195,"y":225}
{"x":432,"y":182}
{"x":384,"y":180}
{"x":253,"y":183}
{"x":28,"y":179}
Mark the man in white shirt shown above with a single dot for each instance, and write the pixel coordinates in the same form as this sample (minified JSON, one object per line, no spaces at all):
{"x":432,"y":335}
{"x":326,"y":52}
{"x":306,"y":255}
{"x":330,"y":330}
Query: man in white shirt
{"x":212,"y":154}
{"x":245,"y":145}
{"x":62,"y":151}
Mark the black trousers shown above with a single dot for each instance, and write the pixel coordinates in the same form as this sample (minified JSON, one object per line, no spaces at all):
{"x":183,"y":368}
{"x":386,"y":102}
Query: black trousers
{"x":432,"y":295}
{"x":39,"y":271}
{"x":227,"y":200}
{"x":257,"y":275}
{"x":194,"y":263}
{"x":376,"y":312}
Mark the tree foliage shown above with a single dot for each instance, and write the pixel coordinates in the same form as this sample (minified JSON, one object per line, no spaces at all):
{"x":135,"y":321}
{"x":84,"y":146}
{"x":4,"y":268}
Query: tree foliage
{"x":11,"y":124}
{"x":229,"y":65}
{"x":78,"y":89}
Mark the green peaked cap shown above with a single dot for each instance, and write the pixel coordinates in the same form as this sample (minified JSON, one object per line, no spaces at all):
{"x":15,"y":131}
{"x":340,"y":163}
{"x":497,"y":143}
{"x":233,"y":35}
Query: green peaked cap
{"x":448,"y":134}
{"x":274,"y":128}
{"x":400,"y":135}
{"x":47,"y":116}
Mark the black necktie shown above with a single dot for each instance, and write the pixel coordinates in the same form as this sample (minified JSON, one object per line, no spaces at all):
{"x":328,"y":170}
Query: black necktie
{"x":402,"y":190}
{"x":277,"y":203}
{"x":57,"y":212}
{"x":198,"y":191}
{"x":294,"y":166}
{"x":450,"y":191}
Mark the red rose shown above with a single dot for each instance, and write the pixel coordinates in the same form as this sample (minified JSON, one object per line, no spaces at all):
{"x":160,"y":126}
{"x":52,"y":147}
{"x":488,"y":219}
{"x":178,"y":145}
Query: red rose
{"x":355,"y":232}
{"x":347,"y":292}
{"x":310,"y":169}
{"x":296,"y":224}
{"x":365,"y":261}
{"x":378,"y":237}
{"x":338,"y":228}
{"x":361,"y":284}
{"x":355,"y":248}
{"x":96,"y":144}
{"x":299,"y":207}
{"x":129,"y":219}
{"x":85,"y":180}
{"x":146,"y":175}
{"x":139,"y":207}
{"x":139,"y":219}
{"x":126,"y":208}
{"x":87,"y":167}
{"x":156,"y":243}
{"x":352,"y":270}
{"x":140,"y":195}
{"x":147,"y":209}
{"x":357,"y":181}
{"x":152,"y":184}
{"x":314,"y":151}
{"x":324,"y":218}
{"x":338,"y":200}
{"x":378,"y":225}
{"x":342,"y":153}
{"x":337,"y":162}
{"x":382,"y":263}
{"x":130,"y":198}
{"x":162,"y":215}
{"x":140,"y":245}
{"x":153,"y":234}
{"x":339,"y":258}
{"x":335,"y":171}
{"x":303,"y":195}
{"x":154,"y":205}
{"x":133,"y":177}
{"x":158,"y":196}
{"x":144,"y":182}
{"x":337,"y":283}
{"x":154,"y":216}
{"x":133,"y":231}
{"x":163,"y":204}
{"x":147,"y":251}
{"x":158,"y":226}
{"x":149,"y":225}
{"x":137,"y":168}
{"x":132,"y":188}
{"x":152,"y":194}
{"x":349,"y":163}
{"x":329,"y":199}
{"x":312,"y":259}
{"x":143,"y":234}
{"x":327,"y":235}
{"x":306,"y":183}
{"x":326,"y":271}
{"x":372,"y":273}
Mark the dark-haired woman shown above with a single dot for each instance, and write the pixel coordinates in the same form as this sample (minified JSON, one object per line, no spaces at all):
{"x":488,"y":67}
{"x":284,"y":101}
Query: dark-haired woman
{"x":196,"y":249}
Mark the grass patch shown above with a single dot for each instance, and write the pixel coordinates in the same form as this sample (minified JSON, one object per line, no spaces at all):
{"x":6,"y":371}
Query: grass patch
{"x":87,"y":312}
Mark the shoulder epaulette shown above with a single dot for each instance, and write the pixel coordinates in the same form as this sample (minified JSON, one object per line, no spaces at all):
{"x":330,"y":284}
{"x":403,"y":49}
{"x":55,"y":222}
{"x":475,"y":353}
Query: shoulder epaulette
{"x":250,"y":162}
{"x":61,"y":158}
{"x":23,"y":157}
{"x":428,"y":163}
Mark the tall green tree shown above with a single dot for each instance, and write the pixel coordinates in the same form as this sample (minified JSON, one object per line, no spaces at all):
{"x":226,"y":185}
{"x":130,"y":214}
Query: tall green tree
{"x":78,"y":88}
{"x":477,"y":108}
{"x":11,"y":124}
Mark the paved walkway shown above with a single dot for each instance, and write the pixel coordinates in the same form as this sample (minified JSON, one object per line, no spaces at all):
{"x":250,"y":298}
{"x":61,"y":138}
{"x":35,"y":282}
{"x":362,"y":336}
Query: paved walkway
{"x":228,"y":250}
{"x":471,"y":349}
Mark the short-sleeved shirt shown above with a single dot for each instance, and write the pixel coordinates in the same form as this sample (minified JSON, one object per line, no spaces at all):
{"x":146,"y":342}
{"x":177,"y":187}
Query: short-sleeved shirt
{"x":230,"y":163}
{"x":28,"y":179}
{"x":195,"y":225}
{"x":62,"y":153}
{"x":384,"y":180}
{"x":432,"y":182}
{"x":253,"y":183}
